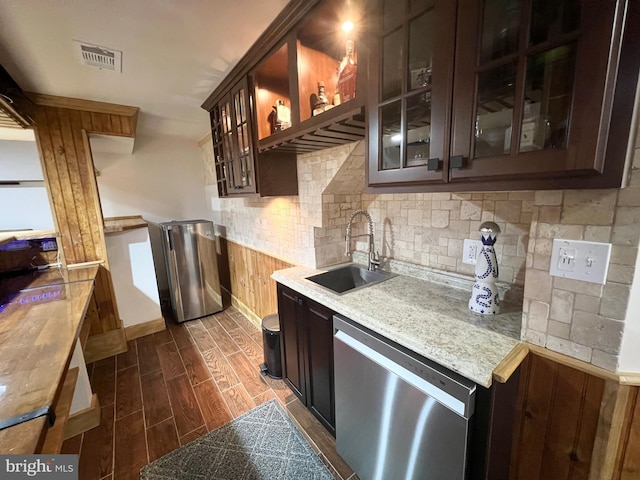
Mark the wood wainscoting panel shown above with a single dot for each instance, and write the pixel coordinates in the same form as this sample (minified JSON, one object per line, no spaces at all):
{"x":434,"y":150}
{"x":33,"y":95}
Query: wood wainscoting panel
{"x":628,"y":465}
{"x":147,"y":328}
{"x":250,"y":279}
{"x":557,"y":416}
{"x":62,"y":128}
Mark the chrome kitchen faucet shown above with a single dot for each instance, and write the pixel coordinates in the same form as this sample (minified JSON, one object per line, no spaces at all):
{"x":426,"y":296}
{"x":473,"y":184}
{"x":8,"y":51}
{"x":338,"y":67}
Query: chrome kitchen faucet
{"x":374,"y":259}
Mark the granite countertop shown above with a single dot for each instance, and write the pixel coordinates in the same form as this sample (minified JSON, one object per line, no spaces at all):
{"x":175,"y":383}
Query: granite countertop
{"x":40,"y":320}
{"x":429,"y":318}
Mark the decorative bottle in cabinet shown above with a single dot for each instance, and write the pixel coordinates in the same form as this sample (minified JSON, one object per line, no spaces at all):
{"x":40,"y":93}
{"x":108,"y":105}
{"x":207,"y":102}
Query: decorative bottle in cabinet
{"x":347,"y":75}
{"x":321,"y":103}
{"x":280,"y":117}
{"x":485,"y":298}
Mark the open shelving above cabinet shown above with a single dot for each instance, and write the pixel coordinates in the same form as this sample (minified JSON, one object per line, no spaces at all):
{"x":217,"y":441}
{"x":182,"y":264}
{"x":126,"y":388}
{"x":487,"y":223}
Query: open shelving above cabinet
{"x":271,"y":86}
{"x":292,"y":114}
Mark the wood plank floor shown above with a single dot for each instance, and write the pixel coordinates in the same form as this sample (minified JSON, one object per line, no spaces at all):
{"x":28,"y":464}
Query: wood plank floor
{"x":174,"y":386}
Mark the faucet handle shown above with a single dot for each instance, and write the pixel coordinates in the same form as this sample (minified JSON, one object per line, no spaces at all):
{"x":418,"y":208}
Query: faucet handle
{"x":374,"y":260}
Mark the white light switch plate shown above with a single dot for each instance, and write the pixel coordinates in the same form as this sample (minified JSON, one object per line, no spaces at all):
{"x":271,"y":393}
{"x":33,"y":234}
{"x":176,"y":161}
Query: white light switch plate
{"x":580,"y":260}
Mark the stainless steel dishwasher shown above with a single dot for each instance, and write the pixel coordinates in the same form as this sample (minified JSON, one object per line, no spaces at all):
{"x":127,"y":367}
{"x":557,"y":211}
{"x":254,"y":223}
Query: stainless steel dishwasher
{"x":398,"y":415}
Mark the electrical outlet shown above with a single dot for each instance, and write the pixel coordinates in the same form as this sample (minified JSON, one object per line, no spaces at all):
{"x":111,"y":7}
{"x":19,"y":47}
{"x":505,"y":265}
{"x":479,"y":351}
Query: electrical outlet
{"x":470,"y":251}
{"x":586,"y":261}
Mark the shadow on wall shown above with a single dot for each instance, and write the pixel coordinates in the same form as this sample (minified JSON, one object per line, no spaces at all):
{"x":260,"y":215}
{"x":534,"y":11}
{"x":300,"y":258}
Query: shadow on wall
{"x":159,"y":263}
{"x":134,"y":284}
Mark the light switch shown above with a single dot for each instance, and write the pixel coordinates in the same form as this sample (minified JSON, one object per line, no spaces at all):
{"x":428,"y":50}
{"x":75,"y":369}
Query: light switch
{"x":580,"y":260}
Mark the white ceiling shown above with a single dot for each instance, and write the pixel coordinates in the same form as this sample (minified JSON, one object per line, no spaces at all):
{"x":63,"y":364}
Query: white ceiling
{"x":174,"y":52}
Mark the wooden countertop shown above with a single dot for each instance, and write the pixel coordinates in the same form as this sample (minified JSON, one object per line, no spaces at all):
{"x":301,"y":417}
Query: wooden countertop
{"x":38,"y":331}
{"x":120,"y":224}
{"x":8,"y":237}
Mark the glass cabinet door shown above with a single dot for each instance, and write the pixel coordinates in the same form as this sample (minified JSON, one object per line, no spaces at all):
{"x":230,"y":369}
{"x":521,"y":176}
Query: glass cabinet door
{"x":227,"y":145}
{"x":243,"y":163}
{"x":219,"y":155}
{"x":529,"y":87}
{"x":409,"y":99}
{"x":234,"y":149}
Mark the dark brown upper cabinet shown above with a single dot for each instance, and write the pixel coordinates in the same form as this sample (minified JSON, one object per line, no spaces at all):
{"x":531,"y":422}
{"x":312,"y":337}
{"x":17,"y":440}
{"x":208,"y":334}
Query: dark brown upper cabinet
{"x":270,"y":107}
{"x":240,"y":169}
{"x":16,"y":109}
{"x":536,"y":94}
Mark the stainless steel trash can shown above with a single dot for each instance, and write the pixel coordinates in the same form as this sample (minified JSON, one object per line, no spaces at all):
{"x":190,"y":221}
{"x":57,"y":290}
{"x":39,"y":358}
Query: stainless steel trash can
{"x":272,"y":365}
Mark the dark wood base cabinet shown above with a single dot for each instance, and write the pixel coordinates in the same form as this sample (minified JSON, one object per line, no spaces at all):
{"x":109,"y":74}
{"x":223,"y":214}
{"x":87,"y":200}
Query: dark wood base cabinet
{"x":306,"y":333}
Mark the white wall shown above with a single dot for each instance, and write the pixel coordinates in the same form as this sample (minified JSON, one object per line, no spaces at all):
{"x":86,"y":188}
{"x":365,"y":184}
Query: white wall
{"x":23,"y":207}
{"x":629,"y":360}
{"x":162,"y":180}
{"x":134,"y":279}
{"x":19,"y":160}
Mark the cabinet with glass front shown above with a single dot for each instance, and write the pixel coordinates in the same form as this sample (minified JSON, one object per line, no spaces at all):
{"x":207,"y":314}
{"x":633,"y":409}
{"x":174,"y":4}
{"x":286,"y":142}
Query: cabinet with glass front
{"x":534,"y":100}
{"x":241,"y":170}
{"x":232,"y":147}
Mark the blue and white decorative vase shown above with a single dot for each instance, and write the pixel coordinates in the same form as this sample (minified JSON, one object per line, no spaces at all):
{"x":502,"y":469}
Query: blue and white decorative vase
{"x":484,"y":295}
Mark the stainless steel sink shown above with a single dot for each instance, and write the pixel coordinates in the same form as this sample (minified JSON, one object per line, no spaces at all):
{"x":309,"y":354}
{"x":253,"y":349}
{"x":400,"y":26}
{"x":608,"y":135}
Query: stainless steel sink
{"x":348,"y":278}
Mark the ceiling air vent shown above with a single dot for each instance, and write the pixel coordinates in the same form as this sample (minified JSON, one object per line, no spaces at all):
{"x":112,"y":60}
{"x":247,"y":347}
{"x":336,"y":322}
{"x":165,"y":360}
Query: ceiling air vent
{"x":99,"y":57}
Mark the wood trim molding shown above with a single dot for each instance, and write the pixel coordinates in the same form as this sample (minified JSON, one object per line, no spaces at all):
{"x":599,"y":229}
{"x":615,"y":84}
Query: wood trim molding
{"x":85,"y":264}
{"x":147,"y":328}
{"x":83,"y":420}
{"x":510,"y":363}
{"x":629,"y":378}
{"x":613,"y":411}
{"x":245,"y":310}
{"x":105,"y":345}
{"x":55,"y":434}
{"x":83,"y":105}
{"x":574,"y":363}
{"x":86,"y":325}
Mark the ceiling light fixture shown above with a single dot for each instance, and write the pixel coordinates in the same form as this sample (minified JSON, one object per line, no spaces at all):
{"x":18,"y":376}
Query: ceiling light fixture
{"x":348,"y":26}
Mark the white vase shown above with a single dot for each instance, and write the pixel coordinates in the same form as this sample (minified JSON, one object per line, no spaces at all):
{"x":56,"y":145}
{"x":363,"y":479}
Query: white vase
{"x":485,"y":298}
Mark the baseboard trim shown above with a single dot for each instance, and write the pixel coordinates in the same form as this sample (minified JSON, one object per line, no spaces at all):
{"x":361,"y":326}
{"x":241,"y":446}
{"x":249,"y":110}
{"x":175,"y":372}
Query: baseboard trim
{"x":246,"y":311}
{"x":105,"y":345}
{"x":83,"y":420}
{"x":147,"y":328}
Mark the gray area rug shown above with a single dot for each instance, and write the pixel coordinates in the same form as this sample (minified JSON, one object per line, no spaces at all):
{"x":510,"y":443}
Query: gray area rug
{"x":261,"y":444}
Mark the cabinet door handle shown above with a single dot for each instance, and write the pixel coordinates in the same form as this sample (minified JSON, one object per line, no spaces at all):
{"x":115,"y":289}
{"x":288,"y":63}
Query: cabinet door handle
{"x":457,"y":161}
{"x":300,"y":301}
{"x":434,"y":164}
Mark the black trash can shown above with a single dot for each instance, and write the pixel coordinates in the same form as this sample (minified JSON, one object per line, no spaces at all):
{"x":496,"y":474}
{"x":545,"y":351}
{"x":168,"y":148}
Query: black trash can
{"x":272,"y":365}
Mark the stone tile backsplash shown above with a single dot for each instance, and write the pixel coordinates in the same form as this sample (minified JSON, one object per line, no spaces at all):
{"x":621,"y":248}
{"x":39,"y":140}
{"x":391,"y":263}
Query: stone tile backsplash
{"x":579,"y":319}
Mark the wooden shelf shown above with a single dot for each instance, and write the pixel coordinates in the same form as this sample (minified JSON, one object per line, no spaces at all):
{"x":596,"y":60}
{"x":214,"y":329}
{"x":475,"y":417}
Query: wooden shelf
{"x":342,"y":124}
{"x":120,"y":224}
